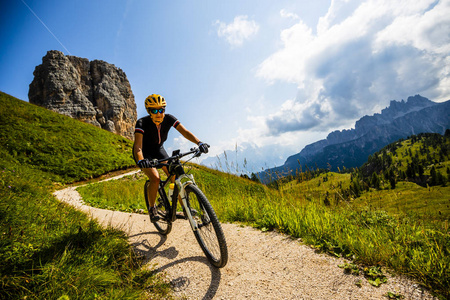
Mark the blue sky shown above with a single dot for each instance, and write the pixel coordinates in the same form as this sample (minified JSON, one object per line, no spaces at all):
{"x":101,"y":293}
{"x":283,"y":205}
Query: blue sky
{"x":259,"y":78}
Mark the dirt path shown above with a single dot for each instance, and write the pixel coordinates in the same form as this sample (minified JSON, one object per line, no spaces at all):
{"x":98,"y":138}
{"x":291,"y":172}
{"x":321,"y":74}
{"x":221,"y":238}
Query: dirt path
{"x":261,"y":265}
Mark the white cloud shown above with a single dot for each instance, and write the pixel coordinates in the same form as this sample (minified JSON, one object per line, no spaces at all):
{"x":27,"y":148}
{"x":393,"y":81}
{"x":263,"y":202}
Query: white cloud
{"x":362,"y":53}
{"x":428,"y":32}
{"x":240,"y":30}
{"x":288,"y":15}
{"x":288,"y":64}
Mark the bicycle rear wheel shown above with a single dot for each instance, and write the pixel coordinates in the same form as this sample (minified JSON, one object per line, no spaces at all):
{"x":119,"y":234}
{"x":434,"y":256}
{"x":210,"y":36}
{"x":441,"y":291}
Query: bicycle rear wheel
{"x":209,"y":235}
{"x":164,"y":224}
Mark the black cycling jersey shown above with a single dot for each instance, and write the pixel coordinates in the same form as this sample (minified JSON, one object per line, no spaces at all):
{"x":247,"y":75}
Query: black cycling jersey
{"x":154,"y":135}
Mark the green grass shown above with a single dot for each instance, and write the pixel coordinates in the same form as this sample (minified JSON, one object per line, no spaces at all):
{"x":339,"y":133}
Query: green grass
{"x":66,"y":149}
{"x":49,"y":250}
{"x":405,"y":229}
{"x":125,"y":194}
{"x":430,"y":205}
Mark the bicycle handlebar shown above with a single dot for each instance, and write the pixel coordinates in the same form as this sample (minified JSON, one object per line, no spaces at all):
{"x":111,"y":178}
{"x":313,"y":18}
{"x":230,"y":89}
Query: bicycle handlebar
{"x":159,"y":162}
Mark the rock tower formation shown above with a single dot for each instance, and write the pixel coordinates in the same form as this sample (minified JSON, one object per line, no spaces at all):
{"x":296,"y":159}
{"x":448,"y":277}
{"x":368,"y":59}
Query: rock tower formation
{"x":94,"y":92}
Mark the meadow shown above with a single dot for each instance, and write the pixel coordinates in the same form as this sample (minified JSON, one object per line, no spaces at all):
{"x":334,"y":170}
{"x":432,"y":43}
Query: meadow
{"x":383,"y":230}
{"x":49,"y":250}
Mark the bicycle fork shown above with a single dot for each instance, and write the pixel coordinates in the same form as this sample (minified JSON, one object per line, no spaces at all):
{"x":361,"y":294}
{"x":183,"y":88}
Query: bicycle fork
{"x":182,"y":194}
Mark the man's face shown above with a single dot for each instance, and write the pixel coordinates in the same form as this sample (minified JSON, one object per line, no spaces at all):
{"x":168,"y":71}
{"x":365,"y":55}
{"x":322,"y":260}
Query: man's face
{"x":157,"y":114}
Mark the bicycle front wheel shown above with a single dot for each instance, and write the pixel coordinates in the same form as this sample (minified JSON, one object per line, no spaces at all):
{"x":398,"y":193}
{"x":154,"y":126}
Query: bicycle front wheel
{"x":164,"y":224}
{"x":209,"y":235}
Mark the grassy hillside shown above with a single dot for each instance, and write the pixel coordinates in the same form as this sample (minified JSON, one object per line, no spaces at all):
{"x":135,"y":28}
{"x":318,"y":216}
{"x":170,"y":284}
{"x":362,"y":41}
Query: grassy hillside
{"x":47,"y":249}
{"x":405,"y":229}
{"x":423,"y":159}
{"x":66,"y":149}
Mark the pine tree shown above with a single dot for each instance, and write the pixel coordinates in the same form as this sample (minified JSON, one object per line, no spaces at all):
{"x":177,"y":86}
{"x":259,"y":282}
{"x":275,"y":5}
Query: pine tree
{"x":433,"y":177}
{"x":448,"y":174}
{"x":421,"y":170}
{"x":254,"y":177}
{"x":375,"y":181}
{"x":356,"y":188}
{"x":410,"y":171}
{"x":392,"y":178}
{"x":439,"y":178}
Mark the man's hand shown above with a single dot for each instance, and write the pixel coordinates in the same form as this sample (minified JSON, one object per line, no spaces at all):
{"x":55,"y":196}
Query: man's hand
{"x":203,"y":147}
{"x":144,"y":163}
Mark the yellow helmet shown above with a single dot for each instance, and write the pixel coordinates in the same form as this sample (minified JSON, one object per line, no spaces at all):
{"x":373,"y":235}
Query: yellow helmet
{"x":154,"y":101}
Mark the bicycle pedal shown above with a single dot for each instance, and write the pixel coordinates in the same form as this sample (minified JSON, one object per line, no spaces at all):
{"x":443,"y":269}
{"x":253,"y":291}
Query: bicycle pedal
{"x":180,"y":215}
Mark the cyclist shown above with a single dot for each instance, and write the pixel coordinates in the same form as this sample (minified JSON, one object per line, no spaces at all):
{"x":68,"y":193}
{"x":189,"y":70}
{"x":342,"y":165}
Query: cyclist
{"x":149,"y":136}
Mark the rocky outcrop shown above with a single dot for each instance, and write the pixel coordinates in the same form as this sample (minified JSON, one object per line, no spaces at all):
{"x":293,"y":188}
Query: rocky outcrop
{"x":94,"y":92}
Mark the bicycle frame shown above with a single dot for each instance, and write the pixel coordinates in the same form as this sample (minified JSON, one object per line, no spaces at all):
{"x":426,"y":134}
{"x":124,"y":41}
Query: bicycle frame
{"x":197,"y":209}
{"x":182,"y":193}
{"x":181,"y":180}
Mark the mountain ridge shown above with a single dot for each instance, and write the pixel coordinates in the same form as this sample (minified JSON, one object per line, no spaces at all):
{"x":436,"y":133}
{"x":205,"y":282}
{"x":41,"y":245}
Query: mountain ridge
{"x":351,"y":147}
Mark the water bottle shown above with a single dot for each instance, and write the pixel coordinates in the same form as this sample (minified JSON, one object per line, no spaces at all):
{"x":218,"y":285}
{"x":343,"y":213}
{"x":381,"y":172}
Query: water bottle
{"x":171,"y":187}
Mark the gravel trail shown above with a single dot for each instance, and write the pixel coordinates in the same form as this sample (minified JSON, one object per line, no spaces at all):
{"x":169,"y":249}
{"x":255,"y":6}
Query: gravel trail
{"x":261,"y":265}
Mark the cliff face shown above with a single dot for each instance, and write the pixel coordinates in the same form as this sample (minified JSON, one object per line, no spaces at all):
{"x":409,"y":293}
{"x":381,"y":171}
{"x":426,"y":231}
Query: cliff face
{"x":94,"y":92}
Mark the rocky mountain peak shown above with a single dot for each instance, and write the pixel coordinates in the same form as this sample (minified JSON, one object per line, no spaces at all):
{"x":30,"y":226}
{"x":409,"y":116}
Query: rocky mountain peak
{"x":94,"y":92}
{"x":396,"y":109}
{"x":350,"y":148}
{"x":400,"y":108}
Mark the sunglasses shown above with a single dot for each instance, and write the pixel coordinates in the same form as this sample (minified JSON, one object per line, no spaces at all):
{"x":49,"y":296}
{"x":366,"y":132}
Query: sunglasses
{"x":157,"y":110}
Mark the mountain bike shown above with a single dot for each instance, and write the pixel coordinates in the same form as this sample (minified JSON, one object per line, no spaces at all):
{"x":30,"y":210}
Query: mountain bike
{"x":196,"y":208}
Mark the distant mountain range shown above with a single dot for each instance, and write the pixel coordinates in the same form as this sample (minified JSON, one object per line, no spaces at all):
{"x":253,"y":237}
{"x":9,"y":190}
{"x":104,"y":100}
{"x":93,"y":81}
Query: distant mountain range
{"x":351,"y":148}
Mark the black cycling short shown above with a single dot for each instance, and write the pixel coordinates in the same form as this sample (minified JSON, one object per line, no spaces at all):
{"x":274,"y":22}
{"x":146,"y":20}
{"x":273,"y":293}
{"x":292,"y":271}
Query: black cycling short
{"x":158,"y":153}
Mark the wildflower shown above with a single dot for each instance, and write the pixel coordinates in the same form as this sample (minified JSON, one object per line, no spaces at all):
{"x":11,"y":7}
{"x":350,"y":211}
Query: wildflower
{"x":9,"y":186}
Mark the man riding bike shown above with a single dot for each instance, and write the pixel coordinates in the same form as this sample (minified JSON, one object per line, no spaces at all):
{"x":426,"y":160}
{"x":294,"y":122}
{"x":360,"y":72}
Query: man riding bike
{"x":149,"y":136}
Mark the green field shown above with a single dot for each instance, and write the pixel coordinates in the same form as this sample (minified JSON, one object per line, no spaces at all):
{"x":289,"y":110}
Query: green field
{"x":405,"y":229}
{"x":49,"y":250}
